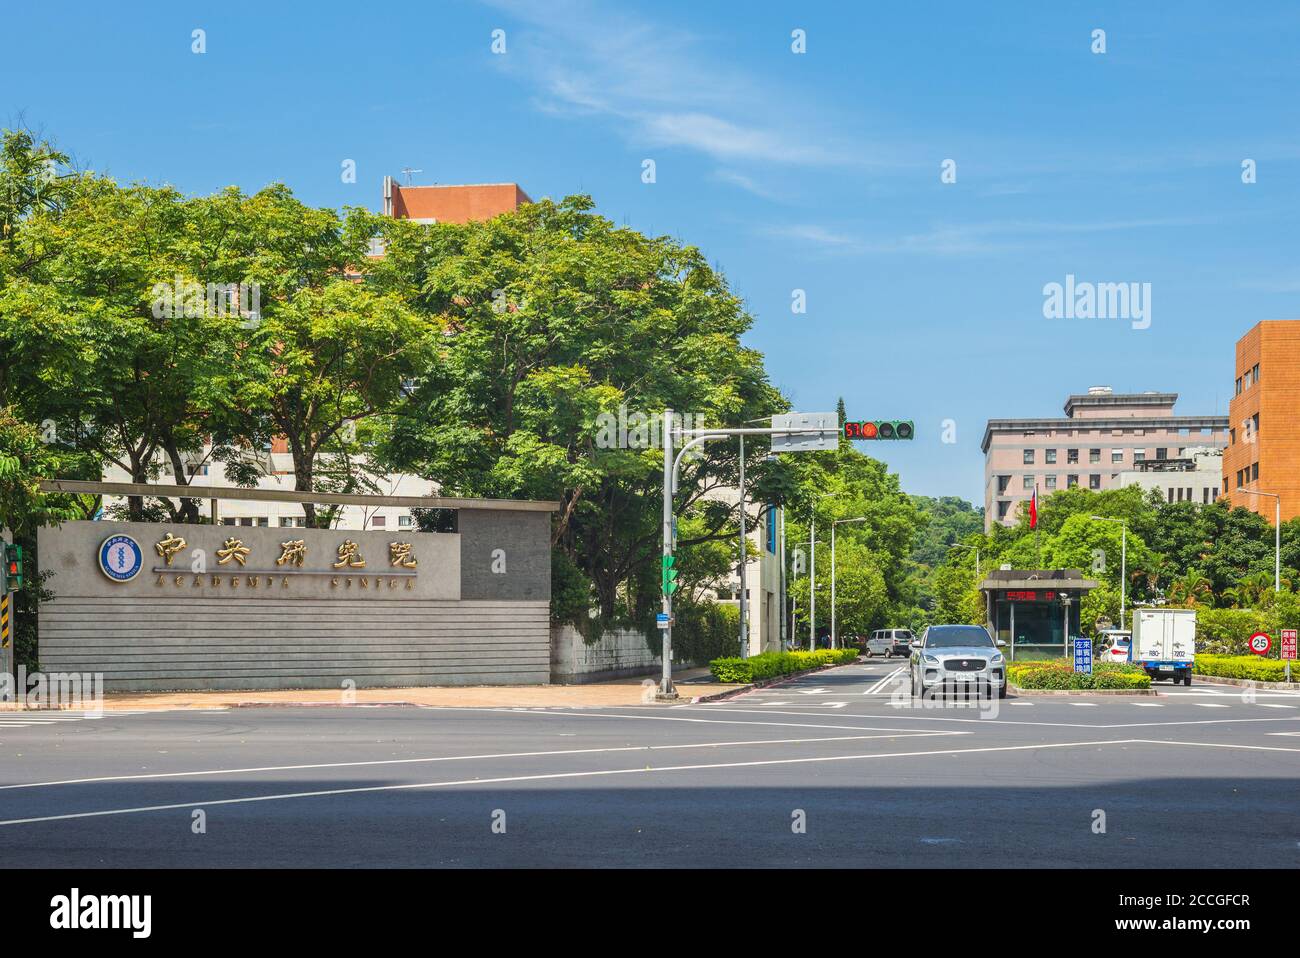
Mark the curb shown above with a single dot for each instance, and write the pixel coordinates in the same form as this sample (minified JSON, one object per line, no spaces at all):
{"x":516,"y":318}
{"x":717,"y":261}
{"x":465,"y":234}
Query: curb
{"x":765,"y":683}
{"x":1249,"y":683}
{"x":1019,"y":691}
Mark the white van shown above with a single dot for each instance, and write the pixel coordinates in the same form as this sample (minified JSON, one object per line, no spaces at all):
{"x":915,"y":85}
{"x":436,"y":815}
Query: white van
{"x":1164,"y":643}
{"x":890,"y":642}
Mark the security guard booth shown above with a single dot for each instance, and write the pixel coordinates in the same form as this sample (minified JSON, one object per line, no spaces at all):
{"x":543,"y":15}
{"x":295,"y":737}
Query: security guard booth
{"x":1035,"y":611}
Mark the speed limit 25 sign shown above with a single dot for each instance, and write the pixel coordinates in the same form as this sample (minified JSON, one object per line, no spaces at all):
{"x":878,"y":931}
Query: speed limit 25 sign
{"x":1260,"y":643}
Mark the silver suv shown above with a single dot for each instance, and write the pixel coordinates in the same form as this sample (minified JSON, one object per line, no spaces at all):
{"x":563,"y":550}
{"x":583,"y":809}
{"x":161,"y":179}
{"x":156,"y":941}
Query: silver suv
{"x":958,"y":657}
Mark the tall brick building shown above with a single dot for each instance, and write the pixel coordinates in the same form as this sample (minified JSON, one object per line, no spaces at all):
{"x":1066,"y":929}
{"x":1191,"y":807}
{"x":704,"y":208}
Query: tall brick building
{"x":1263,"y":450}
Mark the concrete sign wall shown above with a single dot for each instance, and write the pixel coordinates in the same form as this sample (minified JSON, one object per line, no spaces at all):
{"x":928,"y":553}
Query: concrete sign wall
{"x":157,"y":606}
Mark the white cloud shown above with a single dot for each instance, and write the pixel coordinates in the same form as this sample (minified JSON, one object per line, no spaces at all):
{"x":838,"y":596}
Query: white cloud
{"x":661,"y":86}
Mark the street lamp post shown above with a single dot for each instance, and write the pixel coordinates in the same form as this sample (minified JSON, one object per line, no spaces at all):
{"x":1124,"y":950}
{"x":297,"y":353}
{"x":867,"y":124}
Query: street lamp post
{"x":833,"y":525}
{"x":812,"y":573}
{"x":1123,"y":562}
{"x":960,"y":545}
{"x":1277,"y":535}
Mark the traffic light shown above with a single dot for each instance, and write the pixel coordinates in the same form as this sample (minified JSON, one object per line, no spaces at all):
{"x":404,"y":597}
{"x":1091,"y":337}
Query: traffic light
{"x":669,"y":575}
{"x":879,"y":429}
{"x":13,"y":567}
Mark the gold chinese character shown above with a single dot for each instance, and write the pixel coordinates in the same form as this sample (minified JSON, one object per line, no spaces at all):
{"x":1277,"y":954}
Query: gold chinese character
{"x":399,"y":554}
{"x":168,"y":546}
{"x":349,"y":556}
{"x":232,"y":548}
{"x":292,"y":552}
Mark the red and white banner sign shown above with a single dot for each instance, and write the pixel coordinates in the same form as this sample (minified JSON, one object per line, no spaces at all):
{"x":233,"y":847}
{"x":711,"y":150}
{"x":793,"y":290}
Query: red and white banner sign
{"x":1260,"y":643}
{"x":1288,"y":643}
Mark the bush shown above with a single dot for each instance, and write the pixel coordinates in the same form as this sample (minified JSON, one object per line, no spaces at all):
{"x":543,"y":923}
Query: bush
{"x":769,"y":665}
{"x":1059,"y":674}
{"x":1254,"y":667}
{"x":1226,"y":631}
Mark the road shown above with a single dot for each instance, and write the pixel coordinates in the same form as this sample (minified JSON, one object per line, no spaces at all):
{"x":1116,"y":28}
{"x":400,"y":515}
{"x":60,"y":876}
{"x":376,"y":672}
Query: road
{"x":1189,"y":778}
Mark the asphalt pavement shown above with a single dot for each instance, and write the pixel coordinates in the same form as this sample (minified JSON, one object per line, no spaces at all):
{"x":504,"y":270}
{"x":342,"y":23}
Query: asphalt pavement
{"x":839,"y":768}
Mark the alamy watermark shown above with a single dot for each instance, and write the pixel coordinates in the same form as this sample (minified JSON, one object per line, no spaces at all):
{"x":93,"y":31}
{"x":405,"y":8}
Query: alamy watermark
{"x":187,"y":299}
{"x":639,"y":430}
{"x":1075,"y":300}
{"x":83,"y":691}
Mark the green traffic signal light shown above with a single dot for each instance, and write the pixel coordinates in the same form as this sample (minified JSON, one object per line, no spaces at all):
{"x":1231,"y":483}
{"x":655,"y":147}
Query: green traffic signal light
{"x":669,"y":575}
{"x":13,"y":554}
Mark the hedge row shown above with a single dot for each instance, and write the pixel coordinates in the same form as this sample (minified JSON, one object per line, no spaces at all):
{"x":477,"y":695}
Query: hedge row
{"x":769,"y":665}
{"x":1060,"y":674}
{"x":1243,"y":667}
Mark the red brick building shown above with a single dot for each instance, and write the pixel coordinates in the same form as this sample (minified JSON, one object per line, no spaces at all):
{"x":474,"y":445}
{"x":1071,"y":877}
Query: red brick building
{"x":451,"y":204}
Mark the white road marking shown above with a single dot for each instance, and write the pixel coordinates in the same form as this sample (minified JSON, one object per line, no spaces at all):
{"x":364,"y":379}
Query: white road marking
{"x":706,"y":707}
{"x":1248,"y":748}
{"x":554,"y":776}
{"x":1211,"y":705}
{"x":1148,"y":705}
{"x":1273,"y":705}
{"x":466,"y":758}
{"x":877,"y":687}
{"x":1083,"y":705}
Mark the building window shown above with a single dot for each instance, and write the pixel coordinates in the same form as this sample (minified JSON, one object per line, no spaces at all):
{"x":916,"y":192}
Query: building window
{"x":1240,"y":483}
{"x":1254,"y":473}
{"x":1171,"y":493}
{"x":1162,"y":453}
{"x":1139,"y":455}
{"x":1072,"y":457}
{"x":1071,"y":481}
{"x":404,"y":522}
{"x":1117,"y":455}
{"x":378,"y":522}
{"x":1094,"y":481}
{"x":1189,"y":493}
{"x":1094,"y":455}
{"x":1182,"y":452}
{"x":1028,"y":482}
{"x":1255,"y":373}
{"x":1003,"y":482}
{"x":1051,"y":457}
{"x":1050,"y":482}
{"x":1002,"y":509}
{"x":1232,"y":437}
{"x":1029,"y":457}
{"x":1238,"y":385}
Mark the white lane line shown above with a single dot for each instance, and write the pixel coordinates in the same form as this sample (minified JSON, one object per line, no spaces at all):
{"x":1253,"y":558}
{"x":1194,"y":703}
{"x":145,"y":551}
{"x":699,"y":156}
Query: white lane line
{"x":1084,"y":705}
{"x":552,"y":776}
{"x":1211,"y":705}
{"x":1273,"y":705}
{"x":1284,"y":733}
{"x":466,"y":758}
{"x":667,"y":718}
{"x":1148,"y":705}
{"x":938,"y":718}
{"x":1248,"y":748}
{"x":877,"y":687}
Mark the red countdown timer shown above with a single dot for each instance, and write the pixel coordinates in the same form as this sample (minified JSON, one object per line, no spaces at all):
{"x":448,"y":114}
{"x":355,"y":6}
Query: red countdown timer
{"x":879,"y":429}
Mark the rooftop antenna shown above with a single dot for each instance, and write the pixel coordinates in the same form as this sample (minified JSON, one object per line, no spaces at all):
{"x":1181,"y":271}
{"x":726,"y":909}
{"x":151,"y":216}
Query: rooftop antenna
{"x":408,"y":171}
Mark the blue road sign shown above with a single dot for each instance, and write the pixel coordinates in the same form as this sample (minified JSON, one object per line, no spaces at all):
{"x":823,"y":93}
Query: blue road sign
{"x":1083,"y":655}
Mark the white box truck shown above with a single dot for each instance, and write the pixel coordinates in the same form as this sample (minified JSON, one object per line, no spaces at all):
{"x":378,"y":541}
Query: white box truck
{"x":1164,"y":643}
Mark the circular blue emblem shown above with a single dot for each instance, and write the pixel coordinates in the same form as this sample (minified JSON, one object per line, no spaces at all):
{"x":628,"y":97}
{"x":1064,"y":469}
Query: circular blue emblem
{"x":120,"y":558}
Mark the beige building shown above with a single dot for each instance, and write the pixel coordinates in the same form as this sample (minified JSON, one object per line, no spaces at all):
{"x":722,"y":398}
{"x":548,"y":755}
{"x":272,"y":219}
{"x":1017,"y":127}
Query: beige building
{"x":1102,"y":435}
{"x":1194,"y":478}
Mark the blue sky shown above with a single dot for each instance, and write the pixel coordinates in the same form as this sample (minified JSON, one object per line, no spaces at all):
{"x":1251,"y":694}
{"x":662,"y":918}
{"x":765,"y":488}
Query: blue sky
{"x":817,"y":171}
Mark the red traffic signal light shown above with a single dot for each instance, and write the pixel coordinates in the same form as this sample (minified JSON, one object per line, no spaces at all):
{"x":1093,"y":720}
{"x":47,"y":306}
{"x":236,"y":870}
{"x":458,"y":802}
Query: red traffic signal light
{"x":879,"y":429}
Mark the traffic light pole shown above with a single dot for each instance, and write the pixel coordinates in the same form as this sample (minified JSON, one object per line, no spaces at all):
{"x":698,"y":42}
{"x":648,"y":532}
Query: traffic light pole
{"x":672,"y":467}
{"x":666,"y":689}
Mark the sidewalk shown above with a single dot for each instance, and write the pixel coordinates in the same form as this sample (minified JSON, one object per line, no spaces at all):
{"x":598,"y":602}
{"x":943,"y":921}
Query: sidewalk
{"x":691,"y":685}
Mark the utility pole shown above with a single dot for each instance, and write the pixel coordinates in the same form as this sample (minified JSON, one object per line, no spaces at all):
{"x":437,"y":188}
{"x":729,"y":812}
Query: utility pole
{"x":1123,"y":563}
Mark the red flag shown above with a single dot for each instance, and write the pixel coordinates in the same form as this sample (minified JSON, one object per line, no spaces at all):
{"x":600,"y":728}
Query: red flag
{"x":1033,"y":510}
